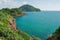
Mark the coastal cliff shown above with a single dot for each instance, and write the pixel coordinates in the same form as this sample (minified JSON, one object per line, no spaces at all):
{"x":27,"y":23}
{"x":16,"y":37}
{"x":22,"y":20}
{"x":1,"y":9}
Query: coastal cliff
{"x":8,"y":30}
{"x":12,"y":24}
{"x":55,"y":35}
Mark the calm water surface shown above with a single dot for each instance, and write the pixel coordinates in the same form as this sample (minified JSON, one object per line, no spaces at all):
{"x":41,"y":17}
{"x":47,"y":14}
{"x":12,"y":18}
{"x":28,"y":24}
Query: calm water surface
{"x":39,"y":24}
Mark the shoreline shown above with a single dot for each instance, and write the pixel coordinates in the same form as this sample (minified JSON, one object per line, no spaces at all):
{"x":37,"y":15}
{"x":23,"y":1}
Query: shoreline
{"x":19,"y":15}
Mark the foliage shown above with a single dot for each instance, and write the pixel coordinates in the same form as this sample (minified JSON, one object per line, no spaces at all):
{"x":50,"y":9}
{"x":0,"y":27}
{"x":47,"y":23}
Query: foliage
{"x":8,"y":34}
{"x":29,"y":8}
{"x":57,"y":33}
{"x":13,"y":11}
{"x":36,"y":38}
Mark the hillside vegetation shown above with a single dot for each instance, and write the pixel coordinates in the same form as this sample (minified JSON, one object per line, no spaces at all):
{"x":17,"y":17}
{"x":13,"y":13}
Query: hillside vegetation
{"x":13,"y":11}
{"x":8,"y":29}
{"x":55,"y":35}
{"x":29,"y":8}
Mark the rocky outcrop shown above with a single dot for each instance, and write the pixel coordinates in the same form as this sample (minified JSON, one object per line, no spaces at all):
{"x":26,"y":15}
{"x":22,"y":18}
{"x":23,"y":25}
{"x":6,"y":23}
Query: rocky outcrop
{"x":55,"y":35}
{"x":12,"y":24}
{"x":52,"y":38}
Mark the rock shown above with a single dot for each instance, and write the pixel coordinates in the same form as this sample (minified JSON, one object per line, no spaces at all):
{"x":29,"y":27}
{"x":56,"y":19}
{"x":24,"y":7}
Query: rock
{"x":12,"y":23}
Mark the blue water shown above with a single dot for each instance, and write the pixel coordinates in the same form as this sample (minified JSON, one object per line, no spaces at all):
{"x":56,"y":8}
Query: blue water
{"x":40,"y":24}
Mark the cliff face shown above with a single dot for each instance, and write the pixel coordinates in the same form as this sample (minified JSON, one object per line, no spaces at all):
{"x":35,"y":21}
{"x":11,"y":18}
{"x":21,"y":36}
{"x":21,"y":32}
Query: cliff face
{"x":52,"y":38}
{"x":55,"y":35}
{"x":12,"y":24}
{"x":7,"y":21}
{"x":8,"y":29}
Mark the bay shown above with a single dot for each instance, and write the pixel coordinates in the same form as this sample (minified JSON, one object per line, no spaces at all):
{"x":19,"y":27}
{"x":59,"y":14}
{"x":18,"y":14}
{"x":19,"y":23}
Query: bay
{"x":40,"y":24}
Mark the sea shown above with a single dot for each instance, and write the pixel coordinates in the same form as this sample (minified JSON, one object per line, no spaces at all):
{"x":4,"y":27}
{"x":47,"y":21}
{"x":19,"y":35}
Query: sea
{"x":39,"y":24}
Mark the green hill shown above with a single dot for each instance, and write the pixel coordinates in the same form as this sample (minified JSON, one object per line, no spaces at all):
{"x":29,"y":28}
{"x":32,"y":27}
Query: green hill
{"x":13,"y":11}
{"x":29,"y":8}
{"x":8,"y":30}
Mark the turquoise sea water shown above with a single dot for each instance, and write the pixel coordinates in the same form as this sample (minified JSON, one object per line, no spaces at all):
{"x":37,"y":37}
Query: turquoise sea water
{"x":39,"y":24}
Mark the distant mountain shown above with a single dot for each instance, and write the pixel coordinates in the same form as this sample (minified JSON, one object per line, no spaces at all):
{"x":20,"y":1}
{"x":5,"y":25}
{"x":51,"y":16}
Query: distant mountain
{"x":28,"y":8}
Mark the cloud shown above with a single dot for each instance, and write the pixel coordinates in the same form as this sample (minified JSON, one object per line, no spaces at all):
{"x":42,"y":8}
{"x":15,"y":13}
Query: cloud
{"x":10,"y":3}
{"x":5,"y":0}
{"x":0,"y":2}
{"x":24,"y":2}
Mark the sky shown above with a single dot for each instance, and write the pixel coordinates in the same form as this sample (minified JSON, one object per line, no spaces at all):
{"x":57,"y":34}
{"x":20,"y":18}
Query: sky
{"x":41,"y":4}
